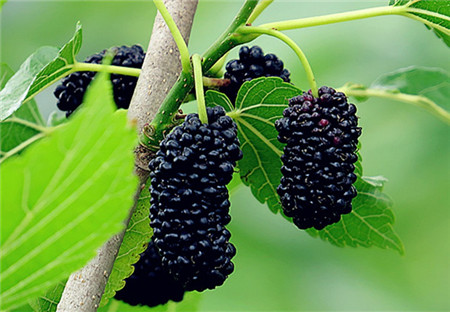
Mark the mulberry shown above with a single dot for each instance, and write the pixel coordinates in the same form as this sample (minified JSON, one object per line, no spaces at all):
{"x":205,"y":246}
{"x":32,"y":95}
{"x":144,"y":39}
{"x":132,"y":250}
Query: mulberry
{"x":318,"y":161}
{"x":189,"y":199}
{"x":150,"y":284}
{"x":252,"y":63}
{"x":70,"y":92}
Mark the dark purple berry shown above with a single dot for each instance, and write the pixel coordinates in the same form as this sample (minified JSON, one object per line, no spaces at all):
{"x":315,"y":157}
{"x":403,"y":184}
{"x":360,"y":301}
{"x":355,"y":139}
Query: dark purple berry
{"x":321,"y":136}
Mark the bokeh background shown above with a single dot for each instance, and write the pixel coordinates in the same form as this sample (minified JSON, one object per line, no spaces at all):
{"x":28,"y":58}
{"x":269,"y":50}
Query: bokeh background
{"x":279,"y":268}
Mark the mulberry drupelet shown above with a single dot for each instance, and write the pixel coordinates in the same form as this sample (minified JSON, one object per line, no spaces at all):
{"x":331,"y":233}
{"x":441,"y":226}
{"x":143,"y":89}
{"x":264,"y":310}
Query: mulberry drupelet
{"x":150,"y":284}
{"x":70,"y":92}
{"x":318,"y":161}
{"x":189,"y":199}
{"x":252,"y":63}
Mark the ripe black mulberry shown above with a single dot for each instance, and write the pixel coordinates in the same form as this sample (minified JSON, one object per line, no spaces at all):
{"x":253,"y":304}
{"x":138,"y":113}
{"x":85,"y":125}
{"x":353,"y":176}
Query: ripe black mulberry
{"x":150,"y":284}
{"x":70,"y":92}
{"x":318,"y":161}
{"x":189,"y":199}
{"x":252,"y":63}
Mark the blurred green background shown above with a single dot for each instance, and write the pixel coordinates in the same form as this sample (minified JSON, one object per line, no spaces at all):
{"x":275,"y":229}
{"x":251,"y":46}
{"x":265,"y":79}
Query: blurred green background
{"x":279,"y":268}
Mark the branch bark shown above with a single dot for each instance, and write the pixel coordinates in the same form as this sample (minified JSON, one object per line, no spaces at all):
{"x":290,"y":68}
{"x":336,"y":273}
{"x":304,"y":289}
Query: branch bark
{"x":160,"y":70}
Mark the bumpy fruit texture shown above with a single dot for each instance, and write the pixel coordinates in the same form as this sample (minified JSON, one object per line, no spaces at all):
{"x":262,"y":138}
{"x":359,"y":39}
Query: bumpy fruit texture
{"x":150,"y":284}
{"x":318,"y":161}
{"x":70,"y":92}
{"x":189,"y":199}
{"x":252,"y":63}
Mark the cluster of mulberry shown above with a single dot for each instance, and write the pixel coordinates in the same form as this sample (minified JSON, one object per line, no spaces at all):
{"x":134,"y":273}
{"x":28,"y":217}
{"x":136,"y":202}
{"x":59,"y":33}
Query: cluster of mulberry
{"x":252,"y":63}
{"x":318,"y":161}
{"x":189,"y":199}
{"x":70,"y":92}
{"x":150,"y":283}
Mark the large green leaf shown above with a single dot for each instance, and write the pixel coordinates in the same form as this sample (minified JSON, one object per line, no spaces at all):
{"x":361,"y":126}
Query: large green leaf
{"x":134,"y":243}
{"x":259,"y":103}
{"x":64,"y":197}
{"x":435,"y":14}
{"x":17,"y":87}
{"x":369,"y":223}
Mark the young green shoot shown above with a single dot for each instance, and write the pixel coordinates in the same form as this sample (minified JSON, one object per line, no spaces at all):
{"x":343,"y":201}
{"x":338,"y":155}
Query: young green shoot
{"x":112,"y":69}
{"x":181,"y":44}
{"x":198,"y":78}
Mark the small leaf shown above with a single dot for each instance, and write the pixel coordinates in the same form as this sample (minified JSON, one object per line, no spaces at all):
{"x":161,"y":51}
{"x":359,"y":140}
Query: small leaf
{"x":431,"y":83}
{"x":16,"y":89}
{"x":13,"y":133}
{"x":49,"y":301}
{"x":259,"y":103}
{"x":134,"y":243}
{"x":64,"y":197}
{"x":369,"y":223}
{"x":60,"y":66}
{"x":435,"y":14}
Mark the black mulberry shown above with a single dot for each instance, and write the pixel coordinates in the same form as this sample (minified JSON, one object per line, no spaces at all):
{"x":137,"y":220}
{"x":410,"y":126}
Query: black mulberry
{"x":252,"y":63}
{"x":150,"y":284}
{"x":189,"y":199}
{"x":70,"y":92}
{"x":318,"y":161}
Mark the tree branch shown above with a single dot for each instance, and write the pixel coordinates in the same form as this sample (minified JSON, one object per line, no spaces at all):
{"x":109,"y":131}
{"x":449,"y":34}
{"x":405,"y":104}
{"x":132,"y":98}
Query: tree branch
{"x":160,"y":70}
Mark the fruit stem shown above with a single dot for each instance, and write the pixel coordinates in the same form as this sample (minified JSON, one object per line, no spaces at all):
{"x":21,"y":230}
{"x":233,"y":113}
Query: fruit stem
{"x":198,"y":78}
{"x":120,"y":70}
{"x":258,"y":10}
{"x":416,"y":100}
{"x":181,"y":44}
{"x":291,"y":43}
{"x":215,"y":82}
{"x":335,"y":18}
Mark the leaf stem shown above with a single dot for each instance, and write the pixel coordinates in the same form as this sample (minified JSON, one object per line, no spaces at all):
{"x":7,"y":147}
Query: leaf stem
{"x":291,"y":43}
{"x":112,"y":69}
{"x":416,"y":100}
{"x":198,"y":78}
{"x":181,"y":44}
{"x":28,"y":124}
{"x":21,"y":146}
{"x":334,"y":18}
{"x":258,"y":10}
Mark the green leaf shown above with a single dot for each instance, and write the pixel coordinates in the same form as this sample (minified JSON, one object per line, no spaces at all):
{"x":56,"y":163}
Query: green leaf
{"x":49,"y":301}
{"x":190,"y":303}
{"x":134,"y":243}
{"x":64,"y":197}
{"x":428,"y":88}
{"x":259,"y":103}
{"x":369,"y":224}
{"x":60,"y":66}
{"x":17,"y":88}
{"x":5,"y":74}
{"x":435,"y":14}
{"x":13,"y":133}
{"x":431,"y":83}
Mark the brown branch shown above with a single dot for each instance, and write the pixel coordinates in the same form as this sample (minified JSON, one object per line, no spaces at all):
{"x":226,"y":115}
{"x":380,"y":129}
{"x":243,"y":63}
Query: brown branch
{"x":160,"y":70}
